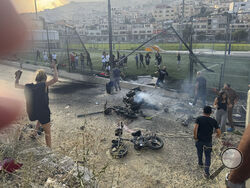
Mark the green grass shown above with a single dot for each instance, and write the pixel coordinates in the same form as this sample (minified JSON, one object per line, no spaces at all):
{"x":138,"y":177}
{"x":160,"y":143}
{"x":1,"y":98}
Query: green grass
{"x":165,"y":46}
{"x":237,"y":68}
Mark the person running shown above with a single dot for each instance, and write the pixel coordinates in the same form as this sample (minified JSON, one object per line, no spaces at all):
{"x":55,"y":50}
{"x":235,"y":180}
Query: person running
{"x":200,"y":89}
{"x":162,"y":73}
{"x":137,"y":61}
{"x":178,"y":60}
{"x":141,"y":60}
{"x":203,"y":130}
{"x":221,"y":103}
{"x":147,"y":60}
{"x":82,"y":61}
{"x":42,"y":113}
{"x":233,"y":99}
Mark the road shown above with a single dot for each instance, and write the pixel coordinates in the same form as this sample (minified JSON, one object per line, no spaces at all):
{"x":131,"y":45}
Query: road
{"x":173,"y":166}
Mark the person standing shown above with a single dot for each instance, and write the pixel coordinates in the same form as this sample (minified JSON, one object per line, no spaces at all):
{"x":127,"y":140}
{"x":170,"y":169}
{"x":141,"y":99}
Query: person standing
{"x":125,"y":60}
{"x":103,"y":60}
{"x":233,"y":99}
{"x":38,"y":55}
{"x":158,"y":58}
{"x":203,"y":130}
{"x":141,"y":60}
{"x":76,"y":60}
{"x":40,"y":110}
{"x":54,"y":56}
{"x":162,"y":73}
{"x":178,"y":60}
{"x":137,"y":61}
{"x":118,"y":55}
{"x":72,"y":59}
{"x":45,"y":56}
{"x":200,"y":89}
{"x":116,"y":78}
{"x":89,"y":62}
{"x":147,"y":60}
{"x":82,"y":61}
{"x":221,"y":104}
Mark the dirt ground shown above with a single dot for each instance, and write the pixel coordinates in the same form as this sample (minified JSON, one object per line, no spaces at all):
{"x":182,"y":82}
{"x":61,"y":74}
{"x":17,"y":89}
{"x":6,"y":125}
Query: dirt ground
{"x":173,"y":166}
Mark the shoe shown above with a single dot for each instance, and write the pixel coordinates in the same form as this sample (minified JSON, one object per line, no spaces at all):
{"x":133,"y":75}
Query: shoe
{"x":191,"y":104}
{"x":230,"y":129}
{"x":206,"y":175}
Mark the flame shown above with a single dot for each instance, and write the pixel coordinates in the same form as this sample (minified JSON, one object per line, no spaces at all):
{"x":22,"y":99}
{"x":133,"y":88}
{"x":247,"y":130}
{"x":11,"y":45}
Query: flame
{"x":50,"y":4}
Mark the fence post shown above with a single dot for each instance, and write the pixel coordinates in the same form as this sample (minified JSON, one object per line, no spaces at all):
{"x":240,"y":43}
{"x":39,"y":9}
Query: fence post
{"x":248,"y":109}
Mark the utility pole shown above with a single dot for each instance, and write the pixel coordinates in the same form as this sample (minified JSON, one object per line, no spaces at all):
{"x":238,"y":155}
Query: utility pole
{"x":191,"y":65}
{"x":35,"y":7}
{"x":230,"y":36}
{"x":67,"y":43}
{"x":181,"y":23}
{"x":110,"y":34}
{"x":222,"y":74}
{"x":47,"y":31}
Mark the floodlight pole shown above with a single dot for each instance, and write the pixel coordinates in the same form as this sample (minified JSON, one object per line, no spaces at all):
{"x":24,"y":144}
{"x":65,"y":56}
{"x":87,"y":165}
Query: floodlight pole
{"x":110,"y":34}
{"x":35,"y":8}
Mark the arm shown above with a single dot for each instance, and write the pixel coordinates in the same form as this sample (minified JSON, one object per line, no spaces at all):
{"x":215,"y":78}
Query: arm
{"x":216,"y":102}
{"x":242,"y":173}
{"x":196,"y":131}
{"x":55,"y":77}
{"x":18,"y":76}
{"x":218,"y":133}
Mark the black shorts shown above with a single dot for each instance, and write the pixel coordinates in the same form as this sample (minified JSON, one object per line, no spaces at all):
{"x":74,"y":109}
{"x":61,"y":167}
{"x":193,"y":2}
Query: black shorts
{"x":44,"y":117}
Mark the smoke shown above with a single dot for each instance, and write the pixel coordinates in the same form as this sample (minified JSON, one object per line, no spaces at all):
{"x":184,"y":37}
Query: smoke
{"x":151,"y":98}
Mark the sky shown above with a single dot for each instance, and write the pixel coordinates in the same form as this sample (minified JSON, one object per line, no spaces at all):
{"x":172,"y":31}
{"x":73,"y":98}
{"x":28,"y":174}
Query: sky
{"x":28,"y":5}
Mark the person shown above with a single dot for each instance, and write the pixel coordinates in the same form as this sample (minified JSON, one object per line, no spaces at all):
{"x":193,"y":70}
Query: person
{"x":136,"y":61}
{"x":76,"y":60}
{"x":122,"y":62}
{"x":141,"y":60}
{"x":45,"y":56}
{"x":200,"y":89}
{"x":158,"y":59}
{"x":116,"y":78}
{"x":162,"y":73}
{"x":38,"y":55}
{"x":82,"y":61}
{"x":178,"y":60}
{"x":221,"y":104}
{"x":103,"y":60}
{"x":72,"y":59}
{"x":233,"y":99}
{"x":147,"y":60}
{"x":54,"y":56}
{"x":89,"y":62}
{"x":203,"y":130}
{"x":43,"y":113}
{"x":125,"y":60}
{"x":118,"y":55}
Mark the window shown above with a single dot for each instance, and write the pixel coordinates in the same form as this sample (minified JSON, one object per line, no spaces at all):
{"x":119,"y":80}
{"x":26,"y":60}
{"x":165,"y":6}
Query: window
{"x":203,"y":26}
{"x":148,"y":31}
{"x":135,"y":31}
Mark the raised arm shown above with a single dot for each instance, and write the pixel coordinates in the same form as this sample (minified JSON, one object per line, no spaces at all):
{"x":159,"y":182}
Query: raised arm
{"x":55,"y":77}
{"x":17,"y":77}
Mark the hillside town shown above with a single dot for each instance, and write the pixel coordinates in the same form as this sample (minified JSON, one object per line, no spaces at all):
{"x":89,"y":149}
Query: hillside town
{"x":136,"y":22}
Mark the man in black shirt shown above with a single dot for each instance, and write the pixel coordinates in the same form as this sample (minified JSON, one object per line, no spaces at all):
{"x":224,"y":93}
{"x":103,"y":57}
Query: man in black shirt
{"x":141,"y":60}
{"x":162,"y":73}
{"x":203,"y":130}
{"x":200,"y":89}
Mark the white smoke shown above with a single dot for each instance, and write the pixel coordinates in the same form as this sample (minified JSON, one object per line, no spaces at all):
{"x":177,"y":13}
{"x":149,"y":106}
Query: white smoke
{"x":148,"y":98}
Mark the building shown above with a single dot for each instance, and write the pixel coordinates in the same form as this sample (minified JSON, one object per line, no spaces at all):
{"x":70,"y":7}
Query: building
{"x":164,"y":13}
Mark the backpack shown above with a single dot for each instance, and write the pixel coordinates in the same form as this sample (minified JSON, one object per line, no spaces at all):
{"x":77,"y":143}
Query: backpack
{"x":109,"y":86}
{"x":35,"y":98}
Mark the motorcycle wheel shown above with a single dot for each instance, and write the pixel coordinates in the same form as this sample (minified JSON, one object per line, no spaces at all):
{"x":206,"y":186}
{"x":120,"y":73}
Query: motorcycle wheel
{"x":155,"y":143}
{"x":118,"y":152}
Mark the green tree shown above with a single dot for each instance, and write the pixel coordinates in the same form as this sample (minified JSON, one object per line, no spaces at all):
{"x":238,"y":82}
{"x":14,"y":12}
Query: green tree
{"x":240,"y":35}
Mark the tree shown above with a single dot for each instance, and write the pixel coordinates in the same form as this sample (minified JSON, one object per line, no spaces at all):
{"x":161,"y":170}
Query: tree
{"x":240,"y":35}
{"x":220,"y":36}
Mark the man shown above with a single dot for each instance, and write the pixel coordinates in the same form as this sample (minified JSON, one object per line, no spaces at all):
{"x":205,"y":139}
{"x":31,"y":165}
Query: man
{"x":38,"y":55}
{"x":162,"y":73}
{"x":72,"y":59}
{"x":116,"y":78}
{"x":141,"y":60}
{"x":158,"y":58}
{"x":178,"y":60}
{"x":200,"y":89}
{"x":103,"y":60}
{"x":203,"y":130}
{"x":76,"y":60}
{"x":137,"y":61}
{"x":147,"y":60}
{"x":54,"y":56}
{"x":233,"y":99}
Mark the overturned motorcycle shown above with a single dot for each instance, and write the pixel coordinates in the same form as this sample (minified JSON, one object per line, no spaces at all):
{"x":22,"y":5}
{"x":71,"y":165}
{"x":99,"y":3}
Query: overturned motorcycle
{"x":119,"y":149}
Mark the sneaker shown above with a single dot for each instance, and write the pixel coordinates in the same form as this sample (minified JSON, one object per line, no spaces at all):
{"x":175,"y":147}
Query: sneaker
{"x":206,"y":175}
{"x":191,"y":104}
{"x":230,"y":129}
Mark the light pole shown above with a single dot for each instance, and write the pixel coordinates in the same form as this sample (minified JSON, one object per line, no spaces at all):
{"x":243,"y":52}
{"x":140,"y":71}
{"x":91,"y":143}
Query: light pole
{"x":110,"y":34}
{"x":35,"y":8}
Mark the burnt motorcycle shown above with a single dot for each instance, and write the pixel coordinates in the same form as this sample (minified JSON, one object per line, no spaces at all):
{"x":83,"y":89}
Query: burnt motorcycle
{"x":119,"y":149}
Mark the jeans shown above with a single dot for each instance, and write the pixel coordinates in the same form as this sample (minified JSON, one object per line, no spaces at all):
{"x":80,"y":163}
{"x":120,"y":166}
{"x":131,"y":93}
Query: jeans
{"x":117,"y":83}
{"x":221,"y":118}
{"x":207,"y":148}
{"x":159,"y":83}
{"x":202,"y":96}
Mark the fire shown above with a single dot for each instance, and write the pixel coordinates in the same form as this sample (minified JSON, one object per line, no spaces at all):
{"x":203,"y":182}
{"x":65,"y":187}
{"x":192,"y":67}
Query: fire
{"x":50,"y":4}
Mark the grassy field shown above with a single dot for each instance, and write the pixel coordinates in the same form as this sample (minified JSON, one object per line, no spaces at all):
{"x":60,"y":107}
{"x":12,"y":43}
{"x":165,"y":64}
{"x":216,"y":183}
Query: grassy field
{"x":237,"y":68}
{"x":165,"y":46}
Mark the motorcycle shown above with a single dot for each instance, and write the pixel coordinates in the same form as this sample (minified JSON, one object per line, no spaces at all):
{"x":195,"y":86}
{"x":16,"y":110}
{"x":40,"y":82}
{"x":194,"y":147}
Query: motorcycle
{"x":119,"y":149}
